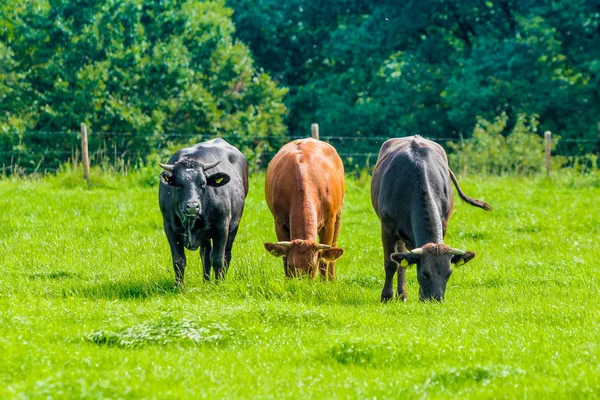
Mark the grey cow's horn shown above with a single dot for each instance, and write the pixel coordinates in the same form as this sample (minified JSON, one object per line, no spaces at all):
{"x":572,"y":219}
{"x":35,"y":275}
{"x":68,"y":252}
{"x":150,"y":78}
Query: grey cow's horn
{"x":418,"y":250}
{"x":284,"y":244}
{"x":457,"y":252}
{"x":323,"y":247}
{"x":167,"y":167}
{"x":208,"y":166}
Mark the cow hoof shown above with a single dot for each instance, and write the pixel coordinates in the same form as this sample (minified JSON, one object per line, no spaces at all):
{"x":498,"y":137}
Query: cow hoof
{"x":387,"y":295}
{"x":401,"y":296}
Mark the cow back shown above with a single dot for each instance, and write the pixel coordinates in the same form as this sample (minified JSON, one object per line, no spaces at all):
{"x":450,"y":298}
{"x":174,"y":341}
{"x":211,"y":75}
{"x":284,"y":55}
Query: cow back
{"x":307,"y":174}
{"x":411,"y":186}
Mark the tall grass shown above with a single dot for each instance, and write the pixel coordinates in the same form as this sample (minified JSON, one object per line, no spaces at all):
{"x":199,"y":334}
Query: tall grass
{"x":88,"y":309}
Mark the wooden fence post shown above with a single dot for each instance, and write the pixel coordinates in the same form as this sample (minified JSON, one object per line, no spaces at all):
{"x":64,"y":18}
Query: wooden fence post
{"x":315,"y":130}
{"x":548,"y":143}
{"x":85,"y":159}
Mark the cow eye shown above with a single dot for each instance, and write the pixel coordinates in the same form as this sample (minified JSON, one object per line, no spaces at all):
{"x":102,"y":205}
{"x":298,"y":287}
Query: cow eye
{"x":426,"y":274}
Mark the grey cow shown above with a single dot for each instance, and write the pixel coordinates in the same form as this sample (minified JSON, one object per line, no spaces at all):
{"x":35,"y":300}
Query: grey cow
{"x":201,"y":195}
{"x":412,"y":196}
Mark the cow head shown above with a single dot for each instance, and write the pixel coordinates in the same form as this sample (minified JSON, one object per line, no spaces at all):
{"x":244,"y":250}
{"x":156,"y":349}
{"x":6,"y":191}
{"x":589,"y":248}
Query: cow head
{"x":433,"y":267}
{"x":302,"y":256}
{"x":189,"y":179}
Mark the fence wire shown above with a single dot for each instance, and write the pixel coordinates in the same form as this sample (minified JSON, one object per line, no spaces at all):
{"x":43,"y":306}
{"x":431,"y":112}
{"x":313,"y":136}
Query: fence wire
{"x":46,"y":151}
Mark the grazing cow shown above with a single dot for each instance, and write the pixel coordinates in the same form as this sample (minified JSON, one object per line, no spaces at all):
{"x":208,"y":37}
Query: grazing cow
{"x":201,"y":195}
{"x":305,"y":192}
{"x":412,"y":196}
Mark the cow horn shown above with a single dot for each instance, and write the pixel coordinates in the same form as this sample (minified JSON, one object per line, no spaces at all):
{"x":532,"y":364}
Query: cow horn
{"x":457,"y":252}
{"x":418,"y":250}
{"x":323,"y":246}
{"x":284,"y":244}
{"x":208,"y":166}
{"x":167,"y":167}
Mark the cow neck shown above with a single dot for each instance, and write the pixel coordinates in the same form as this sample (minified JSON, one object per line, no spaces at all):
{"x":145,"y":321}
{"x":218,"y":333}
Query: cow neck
{"x":426,"y":218}
{"x":303,"y":213}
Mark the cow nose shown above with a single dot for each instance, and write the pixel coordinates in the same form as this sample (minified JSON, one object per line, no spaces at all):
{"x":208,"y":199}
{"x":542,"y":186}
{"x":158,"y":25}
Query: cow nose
{"x":192,"y":207}
{"x":433,"y":298}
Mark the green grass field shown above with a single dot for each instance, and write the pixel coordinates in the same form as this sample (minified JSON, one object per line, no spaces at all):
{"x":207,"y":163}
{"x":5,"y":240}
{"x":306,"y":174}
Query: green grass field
{"x":88,"y":309}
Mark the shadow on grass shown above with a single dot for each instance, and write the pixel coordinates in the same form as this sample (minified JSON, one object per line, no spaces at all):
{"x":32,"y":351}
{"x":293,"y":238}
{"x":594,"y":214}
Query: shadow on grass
{"x":125,"y":290}
{"x":52,"y":275}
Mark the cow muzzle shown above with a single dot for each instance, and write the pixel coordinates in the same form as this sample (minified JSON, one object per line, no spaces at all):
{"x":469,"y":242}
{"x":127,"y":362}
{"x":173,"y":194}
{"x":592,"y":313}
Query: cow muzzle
{"x":430,"y":297}
{"x":192,"y":209}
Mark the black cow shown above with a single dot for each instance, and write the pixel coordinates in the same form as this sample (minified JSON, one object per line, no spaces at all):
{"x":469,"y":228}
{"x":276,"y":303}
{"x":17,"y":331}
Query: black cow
{"x":201,"y":195}
{"x":412,"y":196}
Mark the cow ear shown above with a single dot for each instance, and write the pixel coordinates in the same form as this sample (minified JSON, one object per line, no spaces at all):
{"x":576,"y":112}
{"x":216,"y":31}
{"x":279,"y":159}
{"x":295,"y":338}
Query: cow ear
{"x":459,"y":260}
{"x":218,"y":179}
{"x":276,"y":250}
{"x":167,"y":178}
{"x":405,"y":260}
{"x":332,"y":254}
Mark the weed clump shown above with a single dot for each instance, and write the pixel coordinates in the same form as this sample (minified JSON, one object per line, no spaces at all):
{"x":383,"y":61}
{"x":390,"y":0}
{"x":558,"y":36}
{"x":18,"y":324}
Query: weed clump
{"x":483,"y":375}
{"x":353,"y":353}
{"x":165,"y":332}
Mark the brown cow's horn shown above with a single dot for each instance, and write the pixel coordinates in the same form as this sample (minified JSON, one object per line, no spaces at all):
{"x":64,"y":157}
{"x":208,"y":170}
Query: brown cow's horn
{"x":206,"y":167}
{"x":457,"y":252}
{"x":284,"y":244}
{"x":323,"y":246}
{"x":167,"y":167}
{"x":418,"y":250}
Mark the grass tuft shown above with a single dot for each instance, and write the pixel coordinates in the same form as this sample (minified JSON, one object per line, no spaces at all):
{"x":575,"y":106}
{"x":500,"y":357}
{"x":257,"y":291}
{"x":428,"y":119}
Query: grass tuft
{"x":352,"y":353}
{"x":166,"y":331}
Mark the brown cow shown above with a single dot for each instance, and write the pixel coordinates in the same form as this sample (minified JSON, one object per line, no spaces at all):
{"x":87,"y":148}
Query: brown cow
{"x":305,"y":192}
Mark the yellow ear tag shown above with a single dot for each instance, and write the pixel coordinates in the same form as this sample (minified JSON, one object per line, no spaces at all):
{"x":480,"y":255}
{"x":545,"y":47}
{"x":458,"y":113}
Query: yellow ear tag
{"x":404,"y":263}
{"x":219,"y":180}
{"x":460,"y":262}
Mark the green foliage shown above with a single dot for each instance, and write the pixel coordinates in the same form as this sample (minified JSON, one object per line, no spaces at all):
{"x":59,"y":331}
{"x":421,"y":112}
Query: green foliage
{"x":141,"y":69}
{"x":430,"y":67}
{"x":521,"y":152}
{"x":89,"y":311}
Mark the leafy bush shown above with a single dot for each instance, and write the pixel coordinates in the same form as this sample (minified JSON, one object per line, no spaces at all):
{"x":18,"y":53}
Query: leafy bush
{"x":144,"y":76}
{"x":491,"y":152}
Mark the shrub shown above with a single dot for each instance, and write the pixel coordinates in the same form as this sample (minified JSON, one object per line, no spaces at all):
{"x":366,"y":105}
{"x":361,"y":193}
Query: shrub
{"x":144,"y":76}
{"x":490,"y":151}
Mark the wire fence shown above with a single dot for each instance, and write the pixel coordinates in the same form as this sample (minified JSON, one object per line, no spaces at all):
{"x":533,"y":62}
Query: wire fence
{"x":47,"y":151}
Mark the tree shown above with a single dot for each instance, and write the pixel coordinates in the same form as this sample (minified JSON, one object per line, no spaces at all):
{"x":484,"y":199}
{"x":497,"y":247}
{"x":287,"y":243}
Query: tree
{"x":431,"y":67}
{"x":142,"y":69}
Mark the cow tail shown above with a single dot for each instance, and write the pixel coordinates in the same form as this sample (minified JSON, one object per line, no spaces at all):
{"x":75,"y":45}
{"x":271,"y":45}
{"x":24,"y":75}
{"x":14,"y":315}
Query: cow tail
{"x":467,"y":199}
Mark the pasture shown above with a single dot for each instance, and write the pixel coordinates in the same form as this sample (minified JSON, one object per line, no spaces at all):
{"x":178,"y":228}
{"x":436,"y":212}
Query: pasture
{"x":88,"y":309}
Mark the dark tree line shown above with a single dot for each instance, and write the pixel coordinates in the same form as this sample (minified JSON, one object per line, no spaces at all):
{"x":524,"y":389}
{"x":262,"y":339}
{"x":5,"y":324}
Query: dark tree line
{"x":392,"y":68}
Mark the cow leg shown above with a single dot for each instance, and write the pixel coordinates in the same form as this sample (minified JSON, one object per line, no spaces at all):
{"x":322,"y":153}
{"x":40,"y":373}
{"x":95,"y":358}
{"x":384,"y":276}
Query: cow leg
{"x":177,"y":254}
{"x":217,"y":255}
{"x":326,"y":236}
{"x":205,"y":249}
{"x":402,"y":274}
{"x":230,"y":238}
{"x":389,"y":246}
{"x":283,"y":235}
{"x":336,"y":232}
